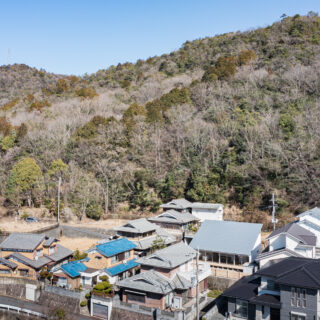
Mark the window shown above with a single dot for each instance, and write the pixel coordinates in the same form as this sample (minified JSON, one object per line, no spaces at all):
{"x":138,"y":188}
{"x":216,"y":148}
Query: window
{"x":298,"y":298}
{"x":297,"y":317}
{"x":242,"y":308}
{"x":127,"y":254}
{"x":114,"y":259}
{"x":4,"y":271}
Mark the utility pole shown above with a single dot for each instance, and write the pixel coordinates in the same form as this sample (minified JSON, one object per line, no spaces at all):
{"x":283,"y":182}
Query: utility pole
{"x":273,"y":219}
{"x":59,"y":186}
{"x":197,"y":281}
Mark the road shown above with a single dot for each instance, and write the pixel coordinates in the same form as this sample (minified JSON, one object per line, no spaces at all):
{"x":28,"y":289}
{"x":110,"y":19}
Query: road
{"x":35,"y":307}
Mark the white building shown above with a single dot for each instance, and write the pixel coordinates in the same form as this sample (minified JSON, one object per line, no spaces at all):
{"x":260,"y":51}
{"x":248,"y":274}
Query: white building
{"x":310,"y":220}
{"x":290,"y":240}
{"x":202,"y":211}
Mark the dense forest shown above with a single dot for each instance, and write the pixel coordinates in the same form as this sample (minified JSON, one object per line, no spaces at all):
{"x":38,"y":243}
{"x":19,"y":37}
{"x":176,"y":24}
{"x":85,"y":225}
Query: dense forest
{"x":229,"y":119}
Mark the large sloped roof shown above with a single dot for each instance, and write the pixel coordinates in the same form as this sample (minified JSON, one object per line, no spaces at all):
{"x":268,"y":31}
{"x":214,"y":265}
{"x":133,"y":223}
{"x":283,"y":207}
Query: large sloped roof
{"x":169,"y":257}
{"x":22,"y":241}
{"x":226,"y":237}
{"x":141,"y":225}
{"x":177,"y":204}
{"x":122,"y":267}
{"x":203,"y":205}
{"x":175,"y":217}
{"x":149,"y":281}
{"x":294,"y":271}
{"x":314,"y":212}
{"x":302,"y":234}
{"x":114,"y":247}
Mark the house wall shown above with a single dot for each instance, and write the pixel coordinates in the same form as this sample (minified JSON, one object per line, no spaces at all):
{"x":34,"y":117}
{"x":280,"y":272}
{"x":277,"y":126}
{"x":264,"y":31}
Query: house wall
{"x":280,"y":255}
{"x":208,"y":214}
{"x":286,"y":309}
{"x":152,"y":300}
{"x":313,"y":228}
{"x":256,"y":249}
{"x":278,"y":242}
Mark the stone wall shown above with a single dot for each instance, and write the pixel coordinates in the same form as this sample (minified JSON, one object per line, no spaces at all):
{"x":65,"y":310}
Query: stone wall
{"x":53,"y":301}
{"x":9,"y":315}
{"x":220,"y":283}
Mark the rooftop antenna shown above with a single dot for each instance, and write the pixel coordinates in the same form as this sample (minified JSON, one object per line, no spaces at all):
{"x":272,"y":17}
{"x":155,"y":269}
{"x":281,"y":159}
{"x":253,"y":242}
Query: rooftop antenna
{"x":274,"y":206}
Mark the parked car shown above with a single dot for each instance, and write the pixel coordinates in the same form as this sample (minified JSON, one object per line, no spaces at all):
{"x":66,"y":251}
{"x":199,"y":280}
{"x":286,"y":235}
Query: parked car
{"x":32,"y":219}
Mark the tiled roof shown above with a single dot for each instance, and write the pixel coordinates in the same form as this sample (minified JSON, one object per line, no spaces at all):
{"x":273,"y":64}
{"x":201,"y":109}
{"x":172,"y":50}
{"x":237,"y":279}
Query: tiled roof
{"x":227,"y":237}
{"x":246,"y":288}
{"x":303,"y":235}
{"x":169,"y":257}
{"x":8,"y":263}
{"x":122,"y":267}
{"x":149,"y":281}
{"x":293,"y":271}
{"x":276,"y":252}
{"x":177,"y":204}
{"x":74,"y":268}
{"x":268,"y":300}
{"x":21,"y":241}
{"x":137,"y":226}
{"x":114,"y":247}
{"x":36,"y":264}
{"x":173,"y":216}
{"x":62,"y":253}
{"x":49,"y":241}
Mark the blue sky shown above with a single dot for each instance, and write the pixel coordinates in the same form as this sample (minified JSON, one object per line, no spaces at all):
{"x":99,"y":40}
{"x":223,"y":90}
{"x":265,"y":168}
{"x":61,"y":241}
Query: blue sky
{"x":77,"y":36}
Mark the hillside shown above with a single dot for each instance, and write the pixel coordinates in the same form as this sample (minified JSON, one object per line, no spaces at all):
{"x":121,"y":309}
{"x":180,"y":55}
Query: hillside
{"x":226,"y":119}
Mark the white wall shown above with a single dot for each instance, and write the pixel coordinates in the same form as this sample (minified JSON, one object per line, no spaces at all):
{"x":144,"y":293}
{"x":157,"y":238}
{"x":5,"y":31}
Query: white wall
{"x":208,"y":214}
{"x":278,"y":242}
{"x":280,"y":255}
{"x":304,"y":224}
{"x":256,"y":250}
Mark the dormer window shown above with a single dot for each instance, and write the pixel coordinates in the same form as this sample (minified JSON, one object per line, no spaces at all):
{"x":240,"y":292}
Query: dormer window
{"x":98,"y":257}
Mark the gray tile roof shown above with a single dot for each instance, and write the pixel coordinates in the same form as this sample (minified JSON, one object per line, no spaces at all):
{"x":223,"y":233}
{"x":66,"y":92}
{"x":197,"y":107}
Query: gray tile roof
{"x":8,"y":263}
{"x":305,"y":236}
{"x":62,"y":253}
{"x":49,"y":241}
{"x":175,"y":217}
{"x":169,"y":257}
{"x":181,"y":282}
{"x":137,"y":226}
{"x":22,"y":241}
{"x":202,"y":205}
{"x":36,"y":264}
{"x":226,"y":237}
{"x":146,"y":243}
{"x":315,"y":212}
{"x":276,"y":252}
{"x":177,"y":204}
{"x":149,"y":281}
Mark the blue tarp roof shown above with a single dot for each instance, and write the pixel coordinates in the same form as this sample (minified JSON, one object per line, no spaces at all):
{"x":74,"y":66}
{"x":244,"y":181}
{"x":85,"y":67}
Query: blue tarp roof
{"x":122,"y":267}
{"x":114,"y":247}
{"x":74,"y":268}
{"x":227,"y":237}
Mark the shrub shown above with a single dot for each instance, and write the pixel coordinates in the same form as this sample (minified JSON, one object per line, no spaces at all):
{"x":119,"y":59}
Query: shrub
{"x":77,"y":255}
{"x":89,"y":93}
{"x":88,"y":296}
{"x":214,"y":293}
{"x":5,"y":126}
{"x":39,"y":105}
{"x":62,"y":86}
{"x":94,"y":210}
{"x":103,"y":287}
{"x":8,"y":106}
{"x":245,"y":56}
{"x":83,"y":303}
{"x":24,"y":216}
{"x":60,"y":314}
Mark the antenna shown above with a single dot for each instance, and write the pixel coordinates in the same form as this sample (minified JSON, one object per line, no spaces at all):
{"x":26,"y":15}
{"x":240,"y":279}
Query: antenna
{"x":274,"y":206}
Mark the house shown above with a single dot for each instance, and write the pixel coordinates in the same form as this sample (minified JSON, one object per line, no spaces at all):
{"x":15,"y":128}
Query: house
{"x":24,"y":255}
{"x":180,"y":205}
{"x":175,"y":221}
{"x":167,"y":279}
{"x":310,"y":220}
{"x":229,"y":247}
{"x":288,"y":289}
{"x":144,"y":234}
{"x":114,"y":258}
{"x":292,"y":240}
{"x":202,"y":211}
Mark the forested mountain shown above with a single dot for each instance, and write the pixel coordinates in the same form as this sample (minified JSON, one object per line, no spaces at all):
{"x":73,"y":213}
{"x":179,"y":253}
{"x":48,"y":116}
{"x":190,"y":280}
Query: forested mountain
{"x":227,"y":119}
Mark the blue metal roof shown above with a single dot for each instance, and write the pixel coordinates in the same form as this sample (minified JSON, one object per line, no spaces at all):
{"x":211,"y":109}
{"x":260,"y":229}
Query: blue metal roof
{"x":114,"y":247}
{"x":122,"y":267}
{"x":74,"y":268}
{"x":227,"y":237}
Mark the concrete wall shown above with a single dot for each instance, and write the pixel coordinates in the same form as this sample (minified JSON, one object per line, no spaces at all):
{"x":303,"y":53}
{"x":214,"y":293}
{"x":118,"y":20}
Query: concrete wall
{"x":208,"y":214}
{"x":286,"y":309}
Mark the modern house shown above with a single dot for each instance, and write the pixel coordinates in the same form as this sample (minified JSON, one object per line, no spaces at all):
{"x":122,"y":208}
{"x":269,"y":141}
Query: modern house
{"x":202,"y":211}
{"x":24,"y":255}
{"x":167,"y":279}
{"x":114,"y":258}
{"x":144,"y":235}
{"x":311,"y":220}
{"x":229,"y":247}
{"x":288,"y":289}
{"x":292,"y":240}
{"x":174,"y":220}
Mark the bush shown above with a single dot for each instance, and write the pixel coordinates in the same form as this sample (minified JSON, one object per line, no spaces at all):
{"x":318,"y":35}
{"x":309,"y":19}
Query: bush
{"x":246,"y":56}
{"x":60,"y":314}
{"x":39,"y":105}
{"x":88,"y":296}
{"x":77,"y":255}
{"x":214,"y":293}
{"x":8,"y":106}
{"x":103,"y":287}
{"x":83,"y":303}
{"x":24,"y":216}
{"x":89,"y":93}
{"x":94,"y":210}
